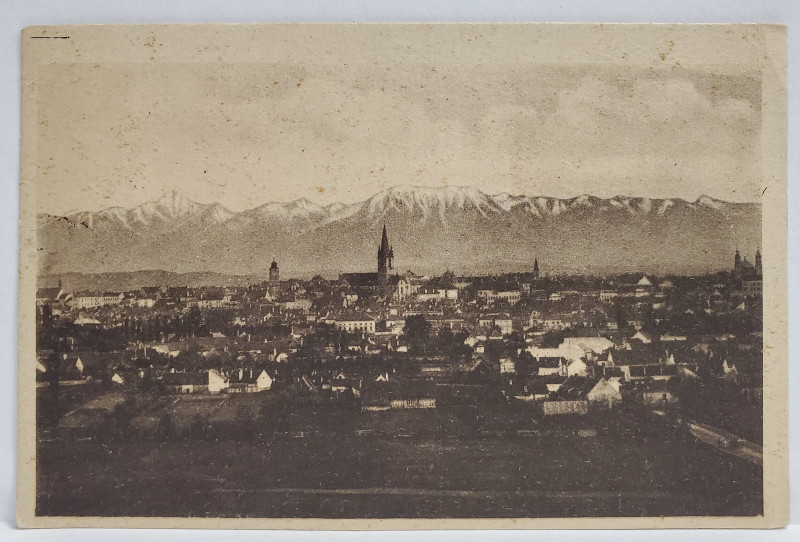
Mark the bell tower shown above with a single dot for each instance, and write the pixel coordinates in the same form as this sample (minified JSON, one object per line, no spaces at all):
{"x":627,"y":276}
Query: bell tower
{"x":274,"y":279}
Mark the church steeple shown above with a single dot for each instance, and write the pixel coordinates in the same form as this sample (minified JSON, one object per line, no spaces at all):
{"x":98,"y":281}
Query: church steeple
{"x":385,"y":258}
{"x":758,"y":261}
{"x":737,"y":264}
{"x":535,"y":268}
{"x":384,"y":240}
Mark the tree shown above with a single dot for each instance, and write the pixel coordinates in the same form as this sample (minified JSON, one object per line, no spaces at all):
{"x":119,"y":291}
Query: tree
{"x":417,"y":331}
{"x":53,"y":368}
{"x":552,"y":339}
{"x":526,"y":364}
{"x":446,"y":338}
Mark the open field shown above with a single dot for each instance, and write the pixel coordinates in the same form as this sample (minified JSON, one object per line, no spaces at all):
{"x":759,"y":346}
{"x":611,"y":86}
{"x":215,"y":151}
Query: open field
{"x":628,"y":469}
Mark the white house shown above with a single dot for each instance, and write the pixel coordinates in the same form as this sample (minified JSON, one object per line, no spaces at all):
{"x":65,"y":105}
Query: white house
{"x":86,"y":321}
{"x":574,"y":348}
{"x":264,"y":381}
{"x":299,"y":304}
{"x":502,"y":321}
{"x":604,"y":394}
{"x":145,"y":302}
{"x":358,"y":322}
{"x":507,"y":366}
{"x":605,"y":295}
{"x":490,"y":296}
{"x":576,"y":368}
{"x":90,"y":300}
{"x":217,"y":382}
{"x":240,"y":381}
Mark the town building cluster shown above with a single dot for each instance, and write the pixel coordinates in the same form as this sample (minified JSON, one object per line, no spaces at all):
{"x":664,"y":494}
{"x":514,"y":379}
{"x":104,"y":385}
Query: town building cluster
{"x":561,"y":345}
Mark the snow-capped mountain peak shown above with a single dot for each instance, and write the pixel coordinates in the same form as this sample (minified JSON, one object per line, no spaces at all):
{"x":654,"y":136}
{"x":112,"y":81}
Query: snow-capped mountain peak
{"x":335,"y":207}
{"x":430,"y":200}
{"x":292,"y":210}
{"x":440,"y":203}
{"x":219,"y":214}
{"x":708,"y":201}
{"x":173,"y":204}
{"x":492,"y":232}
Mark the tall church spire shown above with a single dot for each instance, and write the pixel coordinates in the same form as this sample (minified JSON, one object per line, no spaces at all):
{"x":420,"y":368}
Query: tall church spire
{"x":385,"y":258}
{"x":384,"y":240}
{"x":758,"y":261}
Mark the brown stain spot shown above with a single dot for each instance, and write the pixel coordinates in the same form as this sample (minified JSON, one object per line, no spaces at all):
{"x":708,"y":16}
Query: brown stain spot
{"x":663,"y":54}
{"x":320,"y":190}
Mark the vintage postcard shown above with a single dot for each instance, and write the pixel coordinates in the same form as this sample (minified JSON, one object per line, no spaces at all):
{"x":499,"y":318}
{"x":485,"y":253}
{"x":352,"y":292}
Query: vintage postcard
{"x":402,"y":276}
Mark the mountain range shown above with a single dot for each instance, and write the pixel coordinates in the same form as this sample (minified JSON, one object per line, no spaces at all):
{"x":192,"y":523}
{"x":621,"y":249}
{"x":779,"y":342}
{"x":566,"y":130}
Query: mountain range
{"x":431,"y":229}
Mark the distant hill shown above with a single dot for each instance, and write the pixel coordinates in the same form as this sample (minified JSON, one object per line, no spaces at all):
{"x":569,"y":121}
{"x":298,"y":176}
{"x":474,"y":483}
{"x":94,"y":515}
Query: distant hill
{"x":125,"y":281}
{"x":431,"y":229}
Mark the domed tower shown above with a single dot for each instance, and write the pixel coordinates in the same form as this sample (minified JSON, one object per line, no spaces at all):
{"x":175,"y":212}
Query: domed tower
{"x":274,"y":279}
{"x":737,"y":264}
{"x":385,"y":259}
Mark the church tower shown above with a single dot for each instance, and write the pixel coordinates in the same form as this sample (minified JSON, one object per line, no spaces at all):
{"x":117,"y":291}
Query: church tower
{"x":535,"y":269}
{"x":385,"y":259}
{"x":274,"y":279}
{"x":758,"y":262}
{"x":737,"y":264}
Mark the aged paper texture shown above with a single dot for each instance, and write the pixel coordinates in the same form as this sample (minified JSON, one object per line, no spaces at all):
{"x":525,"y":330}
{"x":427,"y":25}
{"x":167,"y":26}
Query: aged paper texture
{"x":402,"y":276}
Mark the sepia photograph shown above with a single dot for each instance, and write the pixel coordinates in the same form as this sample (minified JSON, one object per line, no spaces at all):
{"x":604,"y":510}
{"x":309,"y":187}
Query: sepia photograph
{"x":422,"y":273}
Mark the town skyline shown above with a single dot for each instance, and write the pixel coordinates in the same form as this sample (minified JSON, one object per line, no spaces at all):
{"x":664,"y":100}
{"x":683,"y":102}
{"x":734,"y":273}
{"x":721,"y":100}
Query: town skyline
{"x":390,"y":364}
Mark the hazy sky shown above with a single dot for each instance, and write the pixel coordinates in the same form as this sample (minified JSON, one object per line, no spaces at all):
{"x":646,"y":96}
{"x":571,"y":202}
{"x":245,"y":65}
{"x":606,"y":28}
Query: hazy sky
{"x":245,"y":134}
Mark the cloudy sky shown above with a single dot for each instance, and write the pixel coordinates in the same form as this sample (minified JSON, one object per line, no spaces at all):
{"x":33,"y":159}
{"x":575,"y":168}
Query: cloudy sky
{"x":242,"y":134}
